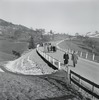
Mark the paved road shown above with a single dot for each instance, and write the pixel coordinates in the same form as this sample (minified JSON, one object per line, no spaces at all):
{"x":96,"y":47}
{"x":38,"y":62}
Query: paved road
{"x":85,"y":68}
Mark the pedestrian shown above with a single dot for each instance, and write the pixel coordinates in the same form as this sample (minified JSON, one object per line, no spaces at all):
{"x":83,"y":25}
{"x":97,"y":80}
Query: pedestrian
{"x":51,"y":48}
{"x":66,"y":58}
{"x":74,"y":58}
{"x":48,"y":48}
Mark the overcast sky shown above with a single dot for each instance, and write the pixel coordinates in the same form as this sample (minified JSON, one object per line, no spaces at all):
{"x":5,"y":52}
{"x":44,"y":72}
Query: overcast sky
{"x":68,"y":16}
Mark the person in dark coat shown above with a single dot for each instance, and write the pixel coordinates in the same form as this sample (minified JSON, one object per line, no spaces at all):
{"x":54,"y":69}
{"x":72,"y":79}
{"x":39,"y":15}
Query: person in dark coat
{"x":66,"y":58}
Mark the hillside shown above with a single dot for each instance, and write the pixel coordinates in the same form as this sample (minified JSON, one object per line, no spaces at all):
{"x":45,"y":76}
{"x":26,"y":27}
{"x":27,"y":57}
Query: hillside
{"x":19,"y":87}
{"x":6,"y":48}
{"x":13,"y":31}
{"x":17,"y":38}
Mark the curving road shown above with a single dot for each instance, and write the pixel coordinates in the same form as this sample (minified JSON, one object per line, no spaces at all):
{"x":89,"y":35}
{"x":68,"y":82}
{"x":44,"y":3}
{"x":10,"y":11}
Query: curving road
{"x":85,"y":68}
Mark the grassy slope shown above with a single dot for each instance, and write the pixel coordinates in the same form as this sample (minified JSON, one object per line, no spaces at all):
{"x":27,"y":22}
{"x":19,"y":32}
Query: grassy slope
{"x":48,"y":87}
{"x":71,"y":45}
{"x":6,"y":48}
{"x":96,"y":39}
{"x":58,"y":37}
{"x":6,"y":56}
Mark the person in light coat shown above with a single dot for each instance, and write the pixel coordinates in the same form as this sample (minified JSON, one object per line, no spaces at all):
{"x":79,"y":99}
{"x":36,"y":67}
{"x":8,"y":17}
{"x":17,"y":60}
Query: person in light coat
{"x":74,"y":58}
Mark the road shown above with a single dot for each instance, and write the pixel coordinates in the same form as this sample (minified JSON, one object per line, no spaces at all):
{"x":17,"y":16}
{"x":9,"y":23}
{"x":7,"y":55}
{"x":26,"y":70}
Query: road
{"x":85,"y":68}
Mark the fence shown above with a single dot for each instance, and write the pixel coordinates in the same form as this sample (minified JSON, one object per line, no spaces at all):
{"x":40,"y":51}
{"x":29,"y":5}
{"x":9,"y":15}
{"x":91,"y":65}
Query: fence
{"x":80,"y":81}
{"x":94,"y":87}
{"x":90,"y":87}
{"x":82,"y":54}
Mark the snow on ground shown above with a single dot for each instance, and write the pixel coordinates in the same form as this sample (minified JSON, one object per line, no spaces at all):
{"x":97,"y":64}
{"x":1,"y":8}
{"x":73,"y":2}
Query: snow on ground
{"x":1,"y":70}
{"x":27,"y":65}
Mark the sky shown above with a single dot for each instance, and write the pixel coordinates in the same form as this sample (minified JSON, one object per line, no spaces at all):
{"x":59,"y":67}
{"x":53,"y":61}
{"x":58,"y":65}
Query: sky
{"x":60,"y":16}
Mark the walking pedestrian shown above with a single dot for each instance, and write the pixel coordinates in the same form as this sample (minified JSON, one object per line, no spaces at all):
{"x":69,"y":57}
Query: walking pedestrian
{"x":66,"y":58}
{"x":74,"y":58}
{"x":48,"y":48}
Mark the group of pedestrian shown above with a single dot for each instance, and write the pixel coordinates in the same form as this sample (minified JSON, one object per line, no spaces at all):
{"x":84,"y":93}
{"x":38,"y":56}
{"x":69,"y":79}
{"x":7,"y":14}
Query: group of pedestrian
{"x":51,"y":48}
{"x":74,"y":58}
{"x":48,"y":47}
